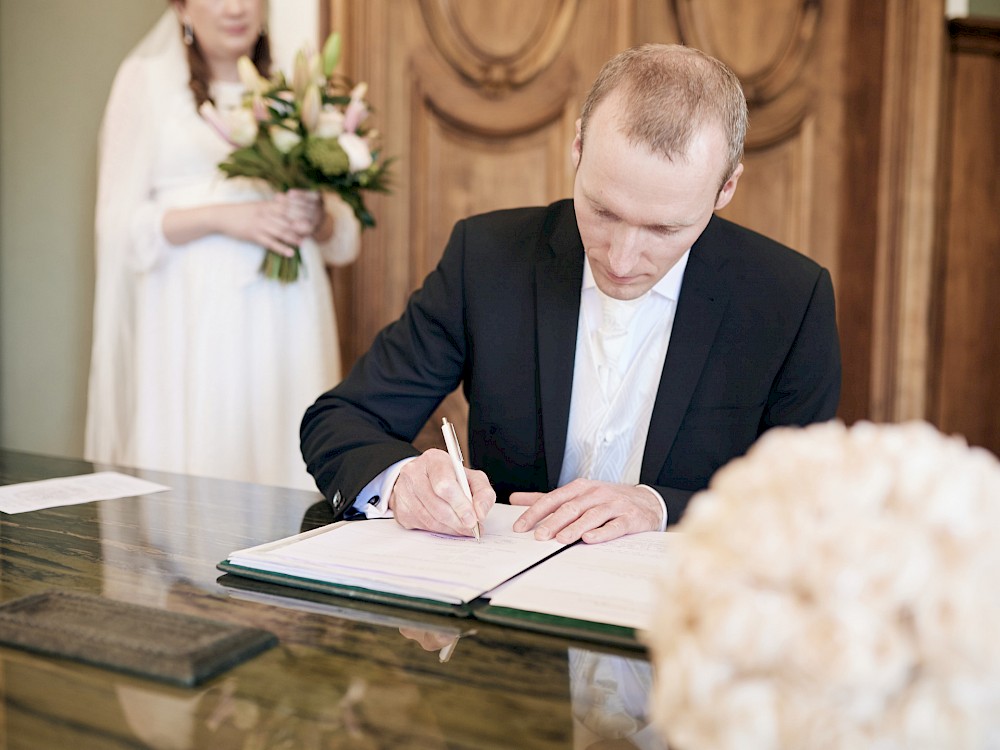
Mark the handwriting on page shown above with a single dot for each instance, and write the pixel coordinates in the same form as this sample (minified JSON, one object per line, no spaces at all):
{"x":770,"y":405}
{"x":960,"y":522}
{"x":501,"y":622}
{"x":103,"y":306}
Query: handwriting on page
{"x":382,"y":555}
{"x":386,"y":546}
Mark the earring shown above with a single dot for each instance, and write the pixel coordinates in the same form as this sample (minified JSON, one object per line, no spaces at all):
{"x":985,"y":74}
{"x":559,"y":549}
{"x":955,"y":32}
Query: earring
{"x":188,"y":33}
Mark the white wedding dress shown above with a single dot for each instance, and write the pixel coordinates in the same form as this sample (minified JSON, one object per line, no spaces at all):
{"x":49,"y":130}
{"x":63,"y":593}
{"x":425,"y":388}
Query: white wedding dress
{"x":200,"y":365}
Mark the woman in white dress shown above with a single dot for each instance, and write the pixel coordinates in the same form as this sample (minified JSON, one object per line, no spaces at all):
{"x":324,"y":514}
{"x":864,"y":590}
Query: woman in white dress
{"x":200,"y":364}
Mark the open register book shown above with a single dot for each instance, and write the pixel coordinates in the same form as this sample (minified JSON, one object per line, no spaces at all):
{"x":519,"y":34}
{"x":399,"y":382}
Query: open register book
{"x":602,"y":592}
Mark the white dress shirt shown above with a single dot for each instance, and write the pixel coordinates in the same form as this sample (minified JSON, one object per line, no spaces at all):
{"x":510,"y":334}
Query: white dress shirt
{"x":607,"y":430}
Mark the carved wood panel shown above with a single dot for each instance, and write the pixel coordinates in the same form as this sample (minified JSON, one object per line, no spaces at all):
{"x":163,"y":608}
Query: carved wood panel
{"x":789,"y":56}
{"x":477,"y":101}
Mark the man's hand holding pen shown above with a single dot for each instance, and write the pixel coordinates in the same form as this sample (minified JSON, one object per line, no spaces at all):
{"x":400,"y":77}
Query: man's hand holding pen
{"x":427,"y":495}
{"x":437,"y":492}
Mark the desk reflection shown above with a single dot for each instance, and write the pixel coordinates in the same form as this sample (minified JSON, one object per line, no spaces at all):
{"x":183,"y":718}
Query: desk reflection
{"x":610,"y":695}
{"x":154,"y":541}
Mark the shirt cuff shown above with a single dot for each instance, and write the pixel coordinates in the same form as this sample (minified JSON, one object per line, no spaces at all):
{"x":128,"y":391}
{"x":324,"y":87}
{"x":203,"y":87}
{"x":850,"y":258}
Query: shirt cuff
{"x":373,"y":500}
{"x":663,"y":505}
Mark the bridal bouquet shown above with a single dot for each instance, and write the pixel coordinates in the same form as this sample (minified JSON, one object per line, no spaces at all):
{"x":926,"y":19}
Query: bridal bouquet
{"x":309,"y":133}
{"x":835,"y":588}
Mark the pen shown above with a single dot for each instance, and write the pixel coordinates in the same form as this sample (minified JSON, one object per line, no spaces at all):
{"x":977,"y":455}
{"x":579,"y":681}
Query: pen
{"x":445,"y":653}
{"x":458,"y":464}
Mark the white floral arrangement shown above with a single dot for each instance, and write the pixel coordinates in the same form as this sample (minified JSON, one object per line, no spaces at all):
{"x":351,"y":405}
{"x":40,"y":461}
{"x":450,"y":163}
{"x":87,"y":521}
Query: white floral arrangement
{"x":835,"y":588}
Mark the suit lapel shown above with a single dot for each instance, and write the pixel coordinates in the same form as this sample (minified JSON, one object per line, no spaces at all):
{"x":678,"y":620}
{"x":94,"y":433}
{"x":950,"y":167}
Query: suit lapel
{"x":704,"y":294}
{"x":558,"y":279}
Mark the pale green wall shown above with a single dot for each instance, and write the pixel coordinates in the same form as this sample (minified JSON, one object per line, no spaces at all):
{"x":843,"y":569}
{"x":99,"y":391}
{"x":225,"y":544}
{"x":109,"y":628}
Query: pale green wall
{"x":57,"y":59}
{"x":984,"y":8}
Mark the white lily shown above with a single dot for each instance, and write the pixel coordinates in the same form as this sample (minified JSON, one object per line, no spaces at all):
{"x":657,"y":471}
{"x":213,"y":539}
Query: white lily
{"x":312,"y":103}
{"x":250,"y":77}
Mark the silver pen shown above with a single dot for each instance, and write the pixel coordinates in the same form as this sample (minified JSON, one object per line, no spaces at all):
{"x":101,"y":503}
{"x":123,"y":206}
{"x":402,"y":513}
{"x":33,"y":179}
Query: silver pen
{"x":458,"y":464}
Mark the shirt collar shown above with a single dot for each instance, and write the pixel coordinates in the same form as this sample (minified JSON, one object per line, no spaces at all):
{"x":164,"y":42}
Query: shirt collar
{"x":669,"y":286}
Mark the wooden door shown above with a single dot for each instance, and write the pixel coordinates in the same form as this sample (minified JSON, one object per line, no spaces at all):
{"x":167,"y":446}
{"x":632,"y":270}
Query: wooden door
{"x":477,"y":100}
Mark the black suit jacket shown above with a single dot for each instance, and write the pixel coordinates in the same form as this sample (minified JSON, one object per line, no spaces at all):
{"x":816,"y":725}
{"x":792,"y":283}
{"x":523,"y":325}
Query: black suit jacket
{"x":754,"y":345}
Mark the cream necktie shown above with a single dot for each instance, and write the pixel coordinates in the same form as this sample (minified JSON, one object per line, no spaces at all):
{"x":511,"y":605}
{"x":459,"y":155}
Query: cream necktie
{"x":612,"y":341}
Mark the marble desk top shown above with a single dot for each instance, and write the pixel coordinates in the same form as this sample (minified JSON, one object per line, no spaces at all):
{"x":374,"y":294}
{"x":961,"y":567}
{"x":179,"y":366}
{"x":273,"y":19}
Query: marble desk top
{"x":344,"y":674}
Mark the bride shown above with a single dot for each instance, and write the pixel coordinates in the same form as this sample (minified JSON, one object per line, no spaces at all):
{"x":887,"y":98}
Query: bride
{"x":200,"y":364}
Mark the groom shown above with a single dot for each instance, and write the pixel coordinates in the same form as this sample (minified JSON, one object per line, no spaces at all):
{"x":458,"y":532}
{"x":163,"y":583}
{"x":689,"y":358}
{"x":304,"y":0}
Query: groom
{"x":615,"y":349}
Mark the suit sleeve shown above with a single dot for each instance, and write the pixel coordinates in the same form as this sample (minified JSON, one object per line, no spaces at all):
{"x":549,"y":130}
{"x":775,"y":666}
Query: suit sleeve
{"x":807,"y":388}
{"x":368,"y":421}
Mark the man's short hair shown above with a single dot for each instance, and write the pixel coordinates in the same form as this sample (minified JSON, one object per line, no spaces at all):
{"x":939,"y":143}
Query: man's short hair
{"x":669,"y":92}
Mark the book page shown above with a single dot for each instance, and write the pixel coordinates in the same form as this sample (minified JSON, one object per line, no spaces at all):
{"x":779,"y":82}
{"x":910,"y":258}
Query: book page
{"x":612,"y":582}
{"x":382,"y":556}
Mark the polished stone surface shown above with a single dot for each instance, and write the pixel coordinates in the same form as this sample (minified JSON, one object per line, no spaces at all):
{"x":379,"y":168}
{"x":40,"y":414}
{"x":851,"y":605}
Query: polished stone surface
{"x":344,"y":675}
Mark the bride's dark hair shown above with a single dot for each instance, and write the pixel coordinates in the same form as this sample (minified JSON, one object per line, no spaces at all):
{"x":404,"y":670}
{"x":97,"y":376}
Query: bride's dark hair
{"x":201,"y":76}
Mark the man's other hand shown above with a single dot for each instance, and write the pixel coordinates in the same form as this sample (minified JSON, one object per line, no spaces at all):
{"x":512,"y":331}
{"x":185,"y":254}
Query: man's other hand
{"x":589,"y":510}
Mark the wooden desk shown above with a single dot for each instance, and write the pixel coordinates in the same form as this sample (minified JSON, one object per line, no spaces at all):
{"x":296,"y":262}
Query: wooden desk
{"x":343,"y":676}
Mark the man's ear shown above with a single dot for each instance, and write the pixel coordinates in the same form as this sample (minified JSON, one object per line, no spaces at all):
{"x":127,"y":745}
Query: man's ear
{"x":729,"y":188}
{"x":577,"y":146}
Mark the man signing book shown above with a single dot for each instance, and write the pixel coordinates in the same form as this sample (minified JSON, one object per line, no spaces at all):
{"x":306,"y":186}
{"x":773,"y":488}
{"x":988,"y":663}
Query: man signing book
{"x":615,"y":349}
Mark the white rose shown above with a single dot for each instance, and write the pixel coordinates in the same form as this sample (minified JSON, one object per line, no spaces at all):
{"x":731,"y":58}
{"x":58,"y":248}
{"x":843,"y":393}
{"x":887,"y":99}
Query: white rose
{"x":283,"y":139}
{"x":356,"y":148}
{"x":330,"y":123}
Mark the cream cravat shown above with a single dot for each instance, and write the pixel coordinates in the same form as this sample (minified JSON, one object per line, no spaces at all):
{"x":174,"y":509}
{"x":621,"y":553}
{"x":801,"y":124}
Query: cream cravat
{"x":612,"y":340}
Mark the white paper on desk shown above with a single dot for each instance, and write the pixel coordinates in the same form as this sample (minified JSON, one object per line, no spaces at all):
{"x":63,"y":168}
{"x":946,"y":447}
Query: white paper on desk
{"x":382,"y":556}
{"x":612,"y":582}
{"x":54,"y":493}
